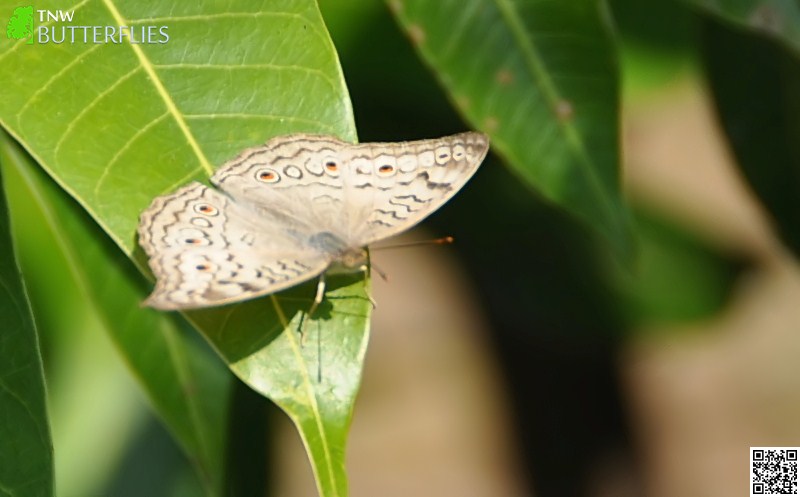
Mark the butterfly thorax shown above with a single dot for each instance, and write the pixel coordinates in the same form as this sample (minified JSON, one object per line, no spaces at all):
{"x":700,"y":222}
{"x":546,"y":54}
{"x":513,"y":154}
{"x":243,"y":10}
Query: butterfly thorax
{"x":345,"y":259}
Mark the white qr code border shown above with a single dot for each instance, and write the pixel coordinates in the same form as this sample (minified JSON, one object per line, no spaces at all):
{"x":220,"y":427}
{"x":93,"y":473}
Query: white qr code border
{"x":773,"y":469}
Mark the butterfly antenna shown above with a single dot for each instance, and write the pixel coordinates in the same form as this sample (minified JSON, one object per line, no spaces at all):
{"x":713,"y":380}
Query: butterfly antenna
{"x":310,"y":314}
{"x":445,"y":240}
{"x":381,"y":273}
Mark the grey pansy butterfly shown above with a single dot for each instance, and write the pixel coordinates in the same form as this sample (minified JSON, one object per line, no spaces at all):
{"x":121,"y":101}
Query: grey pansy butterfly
{"x":292,"y":209}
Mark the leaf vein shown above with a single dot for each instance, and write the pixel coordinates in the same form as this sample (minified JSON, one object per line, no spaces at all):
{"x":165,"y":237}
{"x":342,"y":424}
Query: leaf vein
{"x":74,"y":122}
{"x":276,"y":67}
{"x":141,"y":131}
{"x":244,"y":115}
{"x":52,"y":79}
{"x":180,"y":181}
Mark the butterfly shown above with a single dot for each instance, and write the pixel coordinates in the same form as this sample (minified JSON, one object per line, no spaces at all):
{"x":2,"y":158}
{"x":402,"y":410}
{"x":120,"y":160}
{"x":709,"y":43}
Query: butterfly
{"x":293,"y":209}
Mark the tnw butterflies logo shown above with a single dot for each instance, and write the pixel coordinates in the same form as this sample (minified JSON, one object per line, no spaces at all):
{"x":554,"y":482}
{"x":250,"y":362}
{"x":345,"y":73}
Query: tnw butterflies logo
{"x":20,"y":26}
{"x":57,"y":27}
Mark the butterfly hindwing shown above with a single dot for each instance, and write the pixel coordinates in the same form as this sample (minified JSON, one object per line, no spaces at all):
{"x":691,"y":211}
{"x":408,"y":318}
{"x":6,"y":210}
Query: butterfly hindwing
{"x":205,"y":251}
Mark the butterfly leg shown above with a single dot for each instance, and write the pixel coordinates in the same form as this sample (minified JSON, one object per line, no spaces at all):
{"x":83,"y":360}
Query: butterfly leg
{"x":317,"y":301}
{"x":319,"y":296}
{"x":368,"y":271}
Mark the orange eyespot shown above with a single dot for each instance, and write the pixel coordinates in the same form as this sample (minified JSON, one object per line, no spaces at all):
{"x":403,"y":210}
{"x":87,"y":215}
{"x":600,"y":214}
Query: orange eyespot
{"x":267,"y":176}
{"x":207,"y":209}
{"x":202,"y":267}
{"x":192,"y":241}
{"x":331,"y":166}
{"x":385,"y":169}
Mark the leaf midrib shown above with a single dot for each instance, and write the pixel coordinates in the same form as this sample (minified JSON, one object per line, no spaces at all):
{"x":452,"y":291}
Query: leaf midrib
{"x":539,"y":74}
{"x":172,"y":108}
{"x":312,"y":399}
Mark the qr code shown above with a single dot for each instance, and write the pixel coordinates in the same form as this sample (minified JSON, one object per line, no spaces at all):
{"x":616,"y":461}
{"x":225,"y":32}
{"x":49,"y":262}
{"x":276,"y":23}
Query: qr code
{"x":773,"y":471}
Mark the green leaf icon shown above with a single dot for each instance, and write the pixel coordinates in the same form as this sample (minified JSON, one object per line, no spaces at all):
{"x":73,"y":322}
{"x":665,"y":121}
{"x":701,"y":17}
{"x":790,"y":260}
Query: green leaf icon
{"x":20,"y":26}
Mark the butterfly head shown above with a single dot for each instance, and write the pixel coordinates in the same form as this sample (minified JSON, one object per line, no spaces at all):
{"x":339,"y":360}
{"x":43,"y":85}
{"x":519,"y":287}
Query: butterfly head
{"x":350,"y":261}
{"x":355,"y":259}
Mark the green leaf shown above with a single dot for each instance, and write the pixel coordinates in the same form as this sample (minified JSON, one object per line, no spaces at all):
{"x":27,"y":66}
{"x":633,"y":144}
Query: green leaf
{"x":313,"y":378}
{"x":186,"y":388}
{"x":26,"y":450}
{"x":779,"y":19}
{"x":118,"y":124}
{"x":755,"y":89}
{"x":541,"y":79}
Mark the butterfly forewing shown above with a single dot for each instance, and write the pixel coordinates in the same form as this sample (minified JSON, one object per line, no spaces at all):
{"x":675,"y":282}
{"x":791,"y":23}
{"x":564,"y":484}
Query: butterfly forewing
{"x":391,"y":187}
{"x":296,"y":178}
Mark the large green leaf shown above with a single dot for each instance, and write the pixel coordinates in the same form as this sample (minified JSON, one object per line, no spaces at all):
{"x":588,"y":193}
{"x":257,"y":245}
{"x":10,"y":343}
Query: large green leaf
{"x":117,"y":124}
{"x":540,"y":77}
{"x":26,"y":450}
{"x":186,"y":389}
{"x":779,"y":19}
{"x":755,"y":84}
